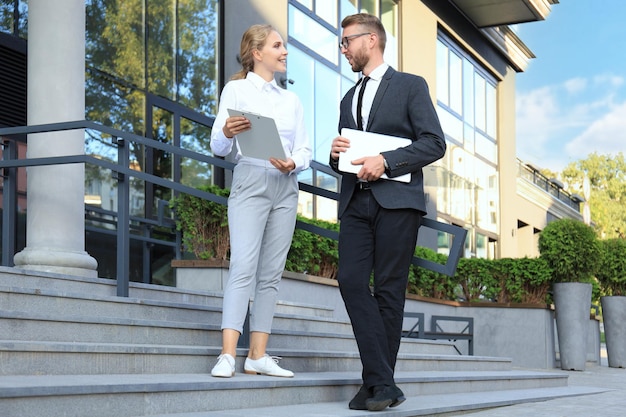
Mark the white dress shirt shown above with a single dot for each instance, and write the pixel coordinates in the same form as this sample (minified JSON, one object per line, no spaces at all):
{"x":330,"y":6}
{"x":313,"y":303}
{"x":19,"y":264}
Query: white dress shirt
{"x":370,"y":91}
{"x":255,"y":95}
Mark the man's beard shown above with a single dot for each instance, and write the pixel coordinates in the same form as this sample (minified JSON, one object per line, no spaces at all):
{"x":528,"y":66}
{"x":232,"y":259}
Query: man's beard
{"x":358,"y":62}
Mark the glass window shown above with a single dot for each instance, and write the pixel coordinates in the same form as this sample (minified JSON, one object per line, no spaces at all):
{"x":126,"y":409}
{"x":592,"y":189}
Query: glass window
{"x":195,"y":137}
{"x":313,"y":35}
{"x":456,"y":83}
{"x":486,"y":147}
{"x":369,"y":6}
{"x":442,"y":73}
{"x":480,"y":103}
{"x":327,"y":10}
{"x":301,"y":68}
{"x":491,"y":110}
{"x":327,"y":91}
{"x":468,"y":92}
{"x":307,"y":3}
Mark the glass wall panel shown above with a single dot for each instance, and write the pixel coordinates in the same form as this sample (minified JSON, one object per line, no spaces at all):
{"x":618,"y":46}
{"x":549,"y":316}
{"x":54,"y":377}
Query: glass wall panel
{"x":327,"y":10}
{"x":456,"y":83}
{"x":327,"y":86}
{"x":452,"y":126}
{"x":114,"y":56}
{"x":480,"y":103}
{"x":468,"y":92}
{"x":442,"y":73}
{"x":314,"y":35}
{"x":196,"y":61}
{"x":491,"y":110}
{"x":161,"y":65}
{"x":301,"y":68}
{"x":195,"y":137}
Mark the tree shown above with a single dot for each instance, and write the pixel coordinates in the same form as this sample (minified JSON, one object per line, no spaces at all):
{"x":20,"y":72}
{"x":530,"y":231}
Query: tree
{"x":607,"y":177}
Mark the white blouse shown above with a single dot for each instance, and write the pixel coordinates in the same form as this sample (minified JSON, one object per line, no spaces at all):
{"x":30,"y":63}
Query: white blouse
{"x":256,"y":95}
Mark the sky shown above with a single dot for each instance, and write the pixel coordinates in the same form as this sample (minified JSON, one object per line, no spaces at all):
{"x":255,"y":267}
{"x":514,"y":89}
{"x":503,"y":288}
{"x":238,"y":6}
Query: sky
{"x":571,"y":99}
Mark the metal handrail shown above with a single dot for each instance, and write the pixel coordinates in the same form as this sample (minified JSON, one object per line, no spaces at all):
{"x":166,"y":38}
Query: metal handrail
{"x":123,"y":173}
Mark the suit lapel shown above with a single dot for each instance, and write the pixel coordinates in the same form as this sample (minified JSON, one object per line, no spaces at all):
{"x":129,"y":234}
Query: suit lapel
{"x":378,"y":98}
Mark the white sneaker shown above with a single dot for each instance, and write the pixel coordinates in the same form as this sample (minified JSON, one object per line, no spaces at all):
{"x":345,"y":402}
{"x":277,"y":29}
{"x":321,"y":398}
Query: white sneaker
{"x":225,"y":366}
{"x":267,"y":365}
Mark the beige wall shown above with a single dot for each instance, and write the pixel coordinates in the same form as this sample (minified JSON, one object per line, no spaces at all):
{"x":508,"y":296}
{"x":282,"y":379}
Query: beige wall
{"x":507,"y":166}
{"x":418,"y":42}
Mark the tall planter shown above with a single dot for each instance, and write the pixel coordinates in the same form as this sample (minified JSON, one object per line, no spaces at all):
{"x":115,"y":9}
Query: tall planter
{"x":572,"y":301}
{"x":614,"y":317}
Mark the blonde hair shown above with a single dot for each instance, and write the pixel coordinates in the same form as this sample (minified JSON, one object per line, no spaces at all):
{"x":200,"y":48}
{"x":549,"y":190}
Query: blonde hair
{"x":253,"y":38}
{"x":370,"y":23}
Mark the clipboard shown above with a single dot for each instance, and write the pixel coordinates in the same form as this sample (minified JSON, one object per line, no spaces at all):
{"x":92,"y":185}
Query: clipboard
{"x":262,"y":141}
{"x":369,"y":144}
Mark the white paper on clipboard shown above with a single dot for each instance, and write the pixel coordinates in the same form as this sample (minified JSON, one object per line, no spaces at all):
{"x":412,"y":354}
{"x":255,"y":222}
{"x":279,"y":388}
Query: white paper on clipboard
{"x":369,"y":144}
{"x":262,"y":141}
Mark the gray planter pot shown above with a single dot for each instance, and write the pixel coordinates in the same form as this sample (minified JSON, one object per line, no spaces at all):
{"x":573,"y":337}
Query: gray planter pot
{"x":614,"y":317}
{"x":572,"y":302}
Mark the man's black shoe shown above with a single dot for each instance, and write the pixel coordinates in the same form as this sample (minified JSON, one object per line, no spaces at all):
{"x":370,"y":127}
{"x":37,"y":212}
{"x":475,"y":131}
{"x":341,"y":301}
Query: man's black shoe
{"x":358,"y":402}
{"x":385,"y":396}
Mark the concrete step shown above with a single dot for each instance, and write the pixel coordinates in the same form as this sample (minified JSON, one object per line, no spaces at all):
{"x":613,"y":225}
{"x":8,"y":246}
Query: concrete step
{"x":21,"y":279}
{"x":423,"y":405}
{"x":308,"y":393}
{"x":75,"y":358}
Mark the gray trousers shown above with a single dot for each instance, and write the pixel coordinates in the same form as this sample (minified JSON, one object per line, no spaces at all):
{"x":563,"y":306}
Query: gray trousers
{"x":262,"y":210}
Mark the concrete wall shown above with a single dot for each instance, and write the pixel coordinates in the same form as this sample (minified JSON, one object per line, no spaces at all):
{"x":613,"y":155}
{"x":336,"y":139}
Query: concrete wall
{"x":524,"y":333}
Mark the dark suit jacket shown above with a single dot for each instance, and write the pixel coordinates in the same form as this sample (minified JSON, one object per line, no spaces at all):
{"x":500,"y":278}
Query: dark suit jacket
{"x":402,"y":107}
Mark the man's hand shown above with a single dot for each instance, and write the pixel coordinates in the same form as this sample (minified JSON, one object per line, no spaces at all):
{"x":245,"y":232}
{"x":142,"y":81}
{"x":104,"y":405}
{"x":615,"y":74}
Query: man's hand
{"x":373,"y":167}
{"x":340,"y":144}
{"x":284,"y":166}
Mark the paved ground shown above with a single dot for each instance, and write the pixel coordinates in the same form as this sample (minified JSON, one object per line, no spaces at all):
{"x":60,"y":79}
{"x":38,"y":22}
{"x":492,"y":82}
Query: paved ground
{"x":608,"y":404}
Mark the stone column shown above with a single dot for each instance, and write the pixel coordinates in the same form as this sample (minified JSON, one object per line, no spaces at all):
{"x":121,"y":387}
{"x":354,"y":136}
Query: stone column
{"x":55,"y":238}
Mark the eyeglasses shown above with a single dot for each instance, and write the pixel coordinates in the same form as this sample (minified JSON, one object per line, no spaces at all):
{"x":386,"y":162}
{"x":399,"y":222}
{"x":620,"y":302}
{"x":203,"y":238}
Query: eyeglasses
{"x":345,"y":42}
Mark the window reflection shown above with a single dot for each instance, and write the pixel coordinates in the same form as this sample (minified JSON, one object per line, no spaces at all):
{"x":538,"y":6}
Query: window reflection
{"x":315,"y":36}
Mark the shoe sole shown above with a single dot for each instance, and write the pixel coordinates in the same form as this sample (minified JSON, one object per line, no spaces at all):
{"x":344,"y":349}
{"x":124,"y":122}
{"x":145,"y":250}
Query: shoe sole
{"x":398,"y":401}
{"x":261,"y":373}
{"x":379,"y":406}
{"x":223,"y":376}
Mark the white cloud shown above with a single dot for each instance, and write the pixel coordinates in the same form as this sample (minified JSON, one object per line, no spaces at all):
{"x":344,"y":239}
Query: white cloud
{"x":565,"y":122}
{"x":605,"y":135}
{"x":575,"y":85}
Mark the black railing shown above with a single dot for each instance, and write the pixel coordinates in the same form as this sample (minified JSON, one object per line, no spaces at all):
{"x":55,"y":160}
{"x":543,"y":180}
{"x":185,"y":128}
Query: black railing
{"x":123,"y":173}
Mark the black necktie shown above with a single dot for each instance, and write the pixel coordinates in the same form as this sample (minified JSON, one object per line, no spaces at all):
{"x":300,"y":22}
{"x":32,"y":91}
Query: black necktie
{"x":359,"y":104}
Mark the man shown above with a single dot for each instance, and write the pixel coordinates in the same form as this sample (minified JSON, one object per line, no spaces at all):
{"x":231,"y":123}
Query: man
{"x":380,"y":217}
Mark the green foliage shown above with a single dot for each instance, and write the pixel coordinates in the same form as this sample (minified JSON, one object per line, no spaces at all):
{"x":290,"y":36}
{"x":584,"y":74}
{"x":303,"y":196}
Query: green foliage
{"x":313,"y":254}
{"x":571,"y":249}
{"x":428,"y":283}
{"x":612,"y":270}
{"x":607,"y":179}
{"x":203,"y":223}
{"x":477,"y":280}
{"x":204,"y":226}
{"x":523,"y":280}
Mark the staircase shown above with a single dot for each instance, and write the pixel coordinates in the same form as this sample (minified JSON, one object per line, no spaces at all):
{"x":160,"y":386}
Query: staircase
{"x":70,"y":347}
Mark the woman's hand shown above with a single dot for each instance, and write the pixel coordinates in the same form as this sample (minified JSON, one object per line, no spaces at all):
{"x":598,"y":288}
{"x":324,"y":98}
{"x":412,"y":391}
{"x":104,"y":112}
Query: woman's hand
{"x":235,"y":125}
{"x":284,"y":166}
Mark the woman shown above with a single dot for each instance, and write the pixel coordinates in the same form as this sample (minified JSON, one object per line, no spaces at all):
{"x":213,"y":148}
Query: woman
{"x":263,"y":199}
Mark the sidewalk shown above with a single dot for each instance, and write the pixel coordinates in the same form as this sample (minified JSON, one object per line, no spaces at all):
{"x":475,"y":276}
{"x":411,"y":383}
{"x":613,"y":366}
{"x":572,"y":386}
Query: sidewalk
{"x":611,"y":403}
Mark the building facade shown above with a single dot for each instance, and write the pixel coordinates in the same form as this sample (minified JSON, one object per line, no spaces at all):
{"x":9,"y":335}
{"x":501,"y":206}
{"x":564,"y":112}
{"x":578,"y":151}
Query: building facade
{"x":155,"y":68}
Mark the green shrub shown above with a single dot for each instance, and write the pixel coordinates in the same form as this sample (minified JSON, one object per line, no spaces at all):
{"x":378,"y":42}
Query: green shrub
{"x":313,"y":254}
{"x":612,"y":271}
{"x":477,"y":280}
{"x":204,"y":227}
{"x":203,"y":223}
{"x":571,"y":250}
{"x":427,"y":283}
{"x":523,"y":280}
